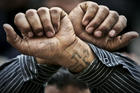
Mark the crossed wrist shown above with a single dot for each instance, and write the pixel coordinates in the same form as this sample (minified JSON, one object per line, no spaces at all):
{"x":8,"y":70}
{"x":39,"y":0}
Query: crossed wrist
{"x":79,"y":57}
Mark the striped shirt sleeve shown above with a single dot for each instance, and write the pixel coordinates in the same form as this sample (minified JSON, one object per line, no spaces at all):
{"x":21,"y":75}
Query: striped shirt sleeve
{"x":23,"y":75}
{"x":111,"y":73}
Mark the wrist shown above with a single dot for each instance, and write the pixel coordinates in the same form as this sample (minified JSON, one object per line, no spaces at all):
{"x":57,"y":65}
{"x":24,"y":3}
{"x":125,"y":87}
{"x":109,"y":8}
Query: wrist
{"x":79,"y":55}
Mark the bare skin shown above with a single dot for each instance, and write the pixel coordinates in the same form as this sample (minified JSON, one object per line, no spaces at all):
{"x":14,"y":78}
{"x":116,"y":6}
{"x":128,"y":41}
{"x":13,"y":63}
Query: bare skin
{"x":83,"y":11}
{"x":93,"y":22}
{"x":49,"y":35}
{"x":58,"y":50}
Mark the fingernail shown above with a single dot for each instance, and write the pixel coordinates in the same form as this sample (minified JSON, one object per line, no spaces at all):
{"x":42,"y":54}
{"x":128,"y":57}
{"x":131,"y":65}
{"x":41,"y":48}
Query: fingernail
{"x":30,"y":34}
{"x":49,"y":34}
{"x":98,"y":33}
{"x":90,"y":30}
{"x":40,"y":34}
{"x":112,"y":33}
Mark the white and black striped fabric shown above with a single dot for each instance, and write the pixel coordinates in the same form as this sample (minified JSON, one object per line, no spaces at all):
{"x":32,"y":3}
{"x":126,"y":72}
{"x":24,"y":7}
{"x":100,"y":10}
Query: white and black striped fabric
{"x":24,"y":75}
{"x":111,"y":73}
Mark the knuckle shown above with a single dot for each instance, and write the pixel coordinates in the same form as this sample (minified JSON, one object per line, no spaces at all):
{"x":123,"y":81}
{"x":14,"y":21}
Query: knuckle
{"x":104,"y":8}
{"x":90,"y":4}
{"x":18,"y":16}
{"x":123,"y":17}
{"x":56,"y":9}
{"x":42,"y":10}
{"x":124,"y":21}
{"x":93,"y":4}
{"x":114,"y":13}
{"x":30,"y":12}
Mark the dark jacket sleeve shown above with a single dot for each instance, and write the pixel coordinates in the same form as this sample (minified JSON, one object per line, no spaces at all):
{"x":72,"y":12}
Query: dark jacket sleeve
{"x":23,"y":75}
{"x":111,"y":73}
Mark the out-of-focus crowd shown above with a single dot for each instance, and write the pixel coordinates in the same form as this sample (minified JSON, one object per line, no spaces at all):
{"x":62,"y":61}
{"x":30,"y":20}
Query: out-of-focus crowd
{"x":8,"y":9}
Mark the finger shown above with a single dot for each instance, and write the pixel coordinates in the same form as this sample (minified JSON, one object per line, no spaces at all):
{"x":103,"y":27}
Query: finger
{"x":119,"y":26}
{"x":46,"y":21}
{"x":90,"y":9}
{"x":35,"y":22}
{"x":12,"y":37}
{"x":98,"y":19}
{"x":23,"y":25}
{"x":66,"y":27}
{"x":108,"y":23}
{"x":76,"y":16}
{"x":122,"y":41}
{"x":55,"y":13}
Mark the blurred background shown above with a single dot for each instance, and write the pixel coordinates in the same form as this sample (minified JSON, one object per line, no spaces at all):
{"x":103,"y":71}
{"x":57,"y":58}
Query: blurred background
{"x":129,"y":8}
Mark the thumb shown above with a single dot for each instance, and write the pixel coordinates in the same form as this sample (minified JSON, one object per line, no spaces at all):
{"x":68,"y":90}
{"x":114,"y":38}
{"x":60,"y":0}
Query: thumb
{"x":12,"y":37}
{"x":129,"y":36}
{"x":126,"y":38}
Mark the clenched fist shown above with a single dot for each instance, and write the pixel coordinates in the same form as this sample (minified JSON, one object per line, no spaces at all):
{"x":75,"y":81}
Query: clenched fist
{"x":98,"y":25}
{"x":61,"y":49}
{"x":42,"y":47}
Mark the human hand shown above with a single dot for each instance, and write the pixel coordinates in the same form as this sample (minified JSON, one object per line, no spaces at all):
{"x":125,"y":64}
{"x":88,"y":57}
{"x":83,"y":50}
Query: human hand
{"x":96,"y":24}
{"x":64,"y":49}
{"x":38,"y":45}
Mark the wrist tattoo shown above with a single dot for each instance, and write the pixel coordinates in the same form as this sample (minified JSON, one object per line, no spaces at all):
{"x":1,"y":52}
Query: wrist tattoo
{"x":78,"y":59}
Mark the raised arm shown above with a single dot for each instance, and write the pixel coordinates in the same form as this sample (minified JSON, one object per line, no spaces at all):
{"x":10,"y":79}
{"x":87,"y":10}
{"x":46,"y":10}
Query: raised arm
{"x":109,"y":73}
{"x":93,"y":22}
{"x":28,"y":73}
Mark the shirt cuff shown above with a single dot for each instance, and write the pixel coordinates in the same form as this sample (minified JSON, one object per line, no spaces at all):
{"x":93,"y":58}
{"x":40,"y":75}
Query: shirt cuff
{"x":95,"y":74}
{"x":116,"y":59}
{"x":36,"y":72}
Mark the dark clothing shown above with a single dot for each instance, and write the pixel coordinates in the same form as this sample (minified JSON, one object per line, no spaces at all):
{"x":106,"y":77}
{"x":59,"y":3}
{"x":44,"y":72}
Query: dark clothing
{"x":108,"y":73}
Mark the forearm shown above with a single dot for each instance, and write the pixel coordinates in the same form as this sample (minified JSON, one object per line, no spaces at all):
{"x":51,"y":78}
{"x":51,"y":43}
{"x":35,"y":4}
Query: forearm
{"x":111,"y":72}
